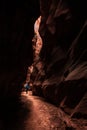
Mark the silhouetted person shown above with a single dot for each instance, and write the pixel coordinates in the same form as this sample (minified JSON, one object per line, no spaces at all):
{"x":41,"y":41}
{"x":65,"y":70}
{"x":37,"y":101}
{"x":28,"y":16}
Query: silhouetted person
{"x":27,"y":88}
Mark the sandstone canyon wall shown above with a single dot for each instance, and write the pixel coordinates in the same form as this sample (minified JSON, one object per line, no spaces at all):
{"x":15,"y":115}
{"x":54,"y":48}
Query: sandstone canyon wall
{"x":62,"y":79}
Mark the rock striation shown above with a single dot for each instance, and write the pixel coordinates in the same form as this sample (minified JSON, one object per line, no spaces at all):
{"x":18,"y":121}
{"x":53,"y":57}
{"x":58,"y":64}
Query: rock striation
{"x":63,"y":30}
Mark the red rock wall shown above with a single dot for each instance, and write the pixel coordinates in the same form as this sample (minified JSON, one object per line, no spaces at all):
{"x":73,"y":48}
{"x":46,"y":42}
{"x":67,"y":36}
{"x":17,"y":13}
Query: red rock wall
{"x":64,"y":54}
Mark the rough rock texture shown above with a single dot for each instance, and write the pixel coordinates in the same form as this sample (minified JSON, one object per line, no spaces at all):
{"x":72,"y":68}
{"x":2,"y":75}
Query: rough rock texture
{"x":64,"y":55}
{"x":16,"y":32}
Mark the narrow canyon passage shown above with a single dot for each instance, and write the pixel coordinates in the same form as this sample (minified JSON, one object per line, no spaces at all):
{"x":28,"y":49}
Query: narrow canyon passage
{"x":43,"y":44}
{"x":34,"y":113}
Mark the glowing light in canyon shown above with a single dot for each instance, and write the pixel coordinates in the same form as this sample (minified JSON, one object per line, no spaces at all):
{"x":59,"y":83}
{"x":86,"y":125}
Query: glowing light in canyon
{"x":37,"y":39}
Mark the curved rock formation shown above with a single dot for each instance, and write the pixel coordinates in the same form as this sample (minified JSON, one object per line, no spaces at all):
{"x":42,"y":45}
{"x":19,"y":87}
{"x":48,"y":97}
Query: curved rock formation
{"x":64,"y":55}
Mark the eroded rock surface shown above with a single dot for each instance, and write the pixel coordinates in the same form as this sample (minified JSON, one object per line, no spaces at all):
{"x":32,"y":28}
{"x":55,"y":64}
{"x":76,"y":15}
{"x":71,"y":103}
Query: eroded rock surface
{"x":64,"y":55}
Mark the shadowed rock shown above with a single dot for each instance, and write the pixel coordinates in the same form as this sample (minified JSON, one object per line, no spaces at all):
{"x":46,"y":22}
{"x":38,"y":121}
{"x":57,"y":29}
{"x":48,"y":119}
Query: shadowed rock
{"x":16,"y":32}
{"x":64,"y":53}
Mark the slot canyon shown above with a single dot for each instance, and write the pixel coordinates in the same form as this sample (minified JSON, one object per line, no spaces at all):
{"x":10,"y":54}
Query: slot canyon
{"x":43,"y":44}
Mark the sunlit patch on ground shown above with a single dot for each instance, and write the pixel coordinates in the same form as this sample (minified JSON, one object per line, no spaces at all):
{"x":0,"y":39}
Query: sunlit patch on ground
{"x":45,"y":116}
